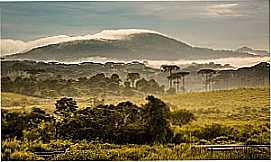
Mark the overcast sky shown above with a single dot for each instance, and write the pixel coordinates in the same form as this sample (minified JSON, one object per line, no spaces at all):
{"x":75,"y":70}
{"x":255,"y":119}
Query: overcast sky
{"x":216,"y":24}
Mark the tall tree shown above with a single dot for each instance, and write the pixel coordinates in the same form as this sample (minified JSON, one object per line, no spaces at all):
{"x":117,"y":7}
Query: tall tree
{"x":207,"y":75}
{"x":133,"y":77}
{"x":181,"y":75}
{"x":169,"y":69}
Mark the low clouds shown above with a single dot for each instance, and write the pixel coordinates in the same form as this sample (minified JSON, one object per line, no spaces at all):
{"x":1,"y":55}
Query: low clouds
{"x":234,"y":61}
{"x":9,"y":46}
{"x":224,"y":9}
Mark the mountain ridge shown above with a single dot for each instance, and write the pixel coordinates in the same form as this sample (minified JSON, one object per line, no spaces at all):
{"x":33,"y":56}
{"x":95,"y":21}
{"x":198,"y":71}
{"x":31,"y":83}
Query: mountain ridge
{"x":141,"y":45}
{"x":259,"y":52}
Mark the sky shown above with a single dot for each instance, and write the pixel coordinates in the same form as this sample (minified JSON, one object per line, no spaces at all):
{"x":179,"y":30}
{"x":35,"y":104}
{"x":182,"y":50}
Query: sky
{"x":215,"y":24}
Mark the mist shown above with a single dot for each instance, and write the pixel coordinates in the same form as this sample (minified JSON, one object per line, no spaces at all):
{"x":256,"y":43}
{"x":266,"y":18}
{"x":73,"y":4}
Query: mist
{"x":235,"y":62}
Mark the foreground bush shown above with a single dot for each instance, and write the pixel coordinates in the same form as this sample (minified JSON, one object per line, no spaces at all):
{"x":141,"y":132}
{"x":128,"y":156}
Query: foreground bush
{"x":13,"y":149}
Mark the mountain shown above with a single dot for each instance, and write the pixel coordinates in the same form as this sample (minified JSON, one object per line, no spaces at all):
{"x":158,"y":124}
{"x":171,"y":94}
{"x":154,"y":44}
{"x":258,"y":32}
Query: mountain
{"x":253,"y":51}
{"x":124,"y":45}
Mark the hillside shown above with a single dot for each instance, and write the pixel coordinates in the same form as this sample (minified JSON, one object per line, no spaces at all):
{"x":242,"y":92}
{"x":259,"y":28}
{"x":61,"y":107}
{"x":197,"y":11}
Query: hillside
{"x":237,"y":106}
{"x":253,"y":51}
{"x":144,"y":45}
{"x":230,"y":107}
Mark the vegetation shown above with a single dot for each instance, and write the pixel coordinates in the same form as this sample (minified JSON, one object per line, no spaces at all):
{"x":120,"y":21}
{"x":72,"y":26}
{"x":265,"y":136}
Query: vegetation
{"x":105,"y":116}
{"x":83,"y":132}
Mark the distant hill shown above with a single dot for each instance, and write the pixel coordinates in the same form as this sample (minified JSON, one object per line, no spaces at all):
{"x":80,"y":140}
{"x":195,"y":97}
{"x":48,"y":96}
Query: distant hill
{"x":131,"y":46}
{"x":253,"y":51}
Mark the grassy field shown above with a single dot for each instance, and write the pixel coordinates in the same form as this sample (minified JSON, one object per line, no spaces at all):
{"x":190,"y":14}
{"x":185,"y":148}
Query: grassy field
{"x":227,"y":107}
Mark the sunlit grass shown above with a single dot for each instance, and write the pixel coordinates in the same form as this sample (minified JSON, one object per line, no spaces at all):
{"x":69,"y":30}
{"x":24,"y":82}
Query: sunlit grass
{"x":227,"y":107}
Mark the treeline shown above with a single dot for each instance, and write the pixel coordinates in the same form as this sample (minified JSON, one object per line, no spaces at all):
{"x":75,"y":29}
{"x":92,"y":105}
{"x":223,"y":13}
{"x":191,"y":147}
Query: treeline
{"x":43,"y":70}
{"x":97,"y":85}
{"x":55,"y":79}
{"x":208,"y":79}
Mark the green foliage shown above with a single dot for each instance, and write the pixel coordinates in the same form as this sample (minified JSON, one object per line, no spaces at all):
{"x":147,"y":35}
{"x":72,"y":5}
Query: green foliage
{"x":158,"y":114}
{"x":34,"y":125}
{"x":182,"y":116}
{"x":149,"y":87}
{"x":12,"y":124}
{"x":212,"y":131}
{"x":65,"y":106}
{"x":13,"y":149}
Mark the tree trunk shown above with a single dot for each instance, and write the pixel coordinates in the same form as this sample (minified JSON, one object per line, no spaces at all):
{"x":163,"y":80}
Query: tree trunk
{"x":183,"y":85}
{"x":170,"y":80}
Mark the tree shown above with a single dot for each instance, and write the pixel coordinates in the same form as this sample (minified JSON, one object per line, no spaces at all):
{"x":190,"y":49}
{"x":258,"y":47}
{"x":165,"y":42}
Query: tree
{"x":65,"y":107}
{"x":115,"y":78}
{"x":12,"y":124}
{"x":158,"y":120}
{"x":207,"y":75}
{"x":114,"y":83}
{"x":169,"y":69}
{"x":150,"y":86}
{"x":133,"y":77}
{"x":127,"y":84}
{"x":181,"y":75}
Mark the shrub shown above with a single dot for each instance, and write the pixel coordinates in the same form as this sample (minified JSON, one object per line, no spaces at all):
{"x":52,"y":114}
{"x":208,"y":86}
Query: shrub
{"x":24,"y":155}
{"x":212,"y":131}
{"x":13,"y":149}
{"x":182,"y":116}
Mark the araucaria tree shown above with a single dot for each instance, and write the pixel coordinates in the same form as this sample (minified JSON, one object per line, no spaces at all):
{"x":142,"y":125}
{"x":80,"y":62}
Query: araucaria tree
{"x":132,"y":77}
{"x":182,"y":75}
{"x":207,"y":75}
{"x":179,"y":77}
{"x":169,"y":69}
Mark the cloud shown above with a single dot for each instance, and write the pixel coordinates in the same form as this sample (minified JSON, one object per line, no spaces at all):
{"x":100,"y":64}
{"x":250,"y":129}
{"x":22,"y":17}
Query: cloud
{"x":224,"y":10}
{"x":9,"y":46}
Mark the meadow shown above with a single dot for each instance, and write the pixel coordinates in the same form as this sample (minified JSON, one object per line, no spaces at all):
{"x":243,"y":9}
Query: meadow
{"x":227,"y":107}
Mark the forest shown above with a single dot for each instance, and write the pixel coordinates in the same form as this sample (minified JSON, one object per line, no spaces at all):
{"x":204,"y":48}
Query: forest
{"x":116,"y":79}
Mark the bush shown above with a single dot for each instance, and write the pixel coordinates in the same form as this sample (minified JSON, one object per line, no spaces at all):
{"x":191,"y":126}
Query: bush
{"x":181,"y":117}
{"x":212,"y":131}
{"x":13,"y":149}
{"x":24,"y":155}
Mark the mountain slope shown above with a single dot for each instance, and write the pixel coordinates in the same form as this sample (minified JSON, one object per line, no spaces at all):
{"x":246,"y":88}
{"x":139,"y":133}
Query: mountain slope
{"x":253,"y":51}
{"x":145,"y":45}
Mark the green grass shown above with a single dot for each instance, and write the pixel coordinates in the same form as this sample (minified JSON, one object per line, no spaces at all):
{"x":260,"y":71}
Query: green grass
{"x":81,"y":151}
{"x":227,"y":107}
{"x":22,"y":102}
